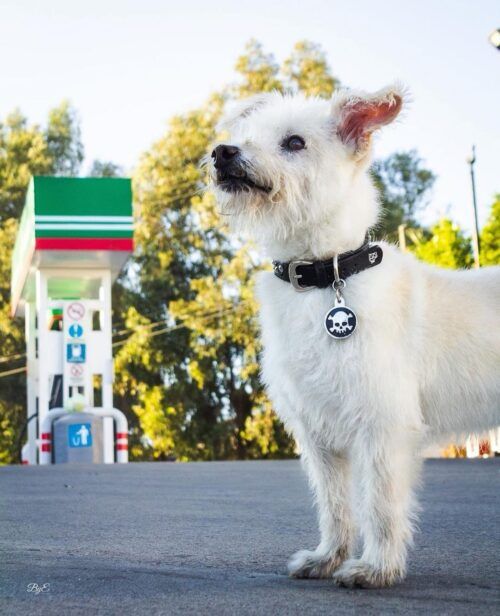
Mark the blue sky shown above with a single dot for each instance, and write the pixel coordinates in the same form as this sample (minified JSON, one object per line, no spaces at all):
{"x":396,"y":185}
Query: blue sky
{"x":128,"y":65}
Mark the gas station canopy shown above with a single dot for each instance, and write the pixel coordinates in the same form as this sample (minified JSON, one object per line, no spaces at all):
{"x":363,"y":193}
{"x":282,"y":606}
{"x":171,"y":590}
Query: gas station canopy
{"x":76,"y":223}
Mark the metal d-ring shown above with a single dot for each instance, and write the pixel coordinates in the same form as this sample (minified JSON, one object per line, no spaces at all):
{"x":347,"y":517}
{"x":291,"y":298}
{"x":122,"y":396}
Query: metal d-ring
{"x":339,"y":283}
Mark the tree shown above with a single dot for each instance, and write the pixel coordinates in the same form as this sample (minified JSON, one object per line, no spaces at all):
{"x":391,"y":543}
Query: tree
{"x":307,"y":70}
{"x":446,"y":246}
{"x":13,"y":387}
{"x":63,"y":139}
{"x":172,"y":250}
{"x":258,"y":71}
{"x":196,"y":389}
{"x":404,"y":187}
{"x":490,"y":236}
{"x":105,"y":169}
{"x":29,"y":150}
{"x":24,"y":151}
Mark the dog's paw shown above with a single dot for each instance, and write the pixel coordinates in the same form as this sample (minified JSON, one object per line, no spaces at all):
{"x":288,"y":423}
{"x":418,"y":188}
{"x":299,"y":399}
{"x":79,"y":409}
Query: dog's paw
{"x":359,"y":574}
{"x":314,"y":564}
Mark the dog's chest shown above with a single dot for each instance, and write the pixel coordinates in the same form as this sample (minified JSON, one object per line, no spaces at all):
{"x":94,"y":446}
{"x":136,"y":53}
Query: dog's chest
{"x":305,"y":370}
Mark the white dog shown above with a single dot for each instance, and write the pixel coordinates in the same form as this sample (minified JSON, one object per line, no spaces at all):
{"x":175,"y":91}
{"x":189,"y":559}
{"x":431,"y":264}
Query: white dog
{"x":405,"y":350}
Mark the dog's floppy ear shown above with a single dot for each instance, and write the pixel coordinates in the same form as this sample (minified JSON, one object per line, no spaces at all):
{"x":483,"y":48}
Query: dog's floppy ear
{"x":237,"y":110}
{"x":358,"y":115}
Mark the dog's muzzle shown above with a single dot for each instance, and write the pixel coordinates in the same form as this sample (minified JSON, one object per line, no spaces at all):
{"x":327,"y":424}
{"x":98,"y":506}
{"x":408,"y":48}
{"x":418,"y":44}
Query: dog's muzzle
{"x":231,"y":174}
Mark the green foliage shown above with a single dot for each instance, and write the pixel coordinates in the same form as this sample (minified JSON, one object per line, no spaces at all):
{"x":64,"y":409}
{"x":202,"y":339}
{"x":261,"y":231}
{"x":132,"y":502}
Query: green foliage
{"x":63,"y":139}
{"x":308,"y":71}
{"x":404,"y":187}
{"x":258,"y":71}
{"x":12,"y":388}
{"x":490,"y":236}
{"x":23,"y":152}
{"x":446,"y":246}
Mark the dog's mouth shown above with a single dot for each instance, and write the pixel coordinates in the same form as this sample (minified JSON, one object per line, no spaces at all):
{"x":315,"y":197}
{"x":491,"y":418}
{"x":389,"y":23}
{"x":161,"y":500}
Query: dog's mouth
{"x":237,"y":180}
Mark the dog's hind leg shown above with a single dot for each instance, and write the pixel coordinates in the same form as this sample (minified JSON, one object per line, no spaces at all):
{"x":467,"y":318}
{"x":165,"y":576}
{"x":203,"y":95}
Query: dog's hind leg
{"x":329,"y":477}
{"x":387,"y":468}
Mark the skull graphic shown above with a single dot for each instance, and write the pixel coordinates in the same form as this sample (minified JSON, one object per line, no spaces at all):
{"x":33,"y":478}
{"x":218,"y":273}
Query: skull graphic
{"x":340,"y":322}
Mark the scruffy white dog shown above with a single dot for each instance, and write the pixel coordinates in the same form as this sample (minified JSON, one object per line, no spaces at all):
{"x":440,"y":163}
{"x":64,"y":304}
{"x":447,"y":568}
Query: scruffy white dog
{"x":405,"y":351}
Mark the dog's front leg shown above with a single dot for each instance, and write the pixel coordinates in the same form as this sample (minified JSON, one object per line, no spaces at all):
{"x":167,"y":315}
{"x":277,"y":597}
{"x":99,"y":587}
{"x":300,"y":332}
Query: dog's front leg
{"x":329,"y":477}
{"x":386,"y":469}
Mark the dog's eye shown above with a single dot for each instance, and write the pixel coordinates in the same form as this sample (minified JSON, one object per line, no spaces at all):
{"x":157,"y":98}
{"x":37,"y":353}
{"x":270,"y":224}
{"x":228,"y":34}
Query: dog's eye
{"x":293,"y":143}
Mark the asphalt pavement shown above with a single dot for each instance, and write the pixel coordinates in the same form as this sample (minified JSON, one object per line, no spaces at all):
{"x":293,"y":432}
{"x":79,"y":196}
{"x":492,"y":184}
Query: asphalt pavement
{"x":214,"y":538}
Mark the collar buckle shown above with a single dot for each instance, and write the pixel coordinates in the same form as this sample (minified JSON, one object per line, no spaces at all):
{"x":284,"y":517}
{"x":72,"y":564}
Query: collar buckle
{"x":294,"y":277}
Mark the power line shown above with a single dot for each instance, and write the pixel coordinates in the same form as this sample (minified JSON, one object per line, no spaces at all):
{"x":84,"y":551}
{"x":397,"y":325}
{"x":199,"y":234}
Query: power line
{"x":165,"y":330}
{"x":182,"y":325}
{"x":200,"y":315}
{"x":121,"y":332}
{"x":184,"y":183}
{"x":9,"y":358}
{"x":12,"y":357}
{"x":15,"y":371}
{"x":181,"y":195}
{"x":141,"y":326}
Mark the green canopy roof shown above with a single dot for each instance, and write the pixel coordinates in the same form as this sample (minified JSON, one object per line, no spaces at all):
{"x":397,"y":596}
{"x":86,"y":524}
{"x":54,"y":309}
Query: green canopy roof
{"x":72,"y":223}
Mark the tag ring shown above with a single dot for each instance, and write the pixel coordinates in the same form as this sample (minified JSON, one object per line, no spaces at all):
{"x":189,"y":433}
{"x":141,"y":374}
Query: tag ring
{"x":338,"y":283}
{"x":336,"y":270}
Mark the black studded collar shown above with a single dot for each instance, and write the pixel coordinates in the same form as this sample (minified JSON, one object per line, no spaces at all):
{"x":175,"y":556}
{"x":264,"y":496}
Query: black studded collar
{"x":305,"y":275}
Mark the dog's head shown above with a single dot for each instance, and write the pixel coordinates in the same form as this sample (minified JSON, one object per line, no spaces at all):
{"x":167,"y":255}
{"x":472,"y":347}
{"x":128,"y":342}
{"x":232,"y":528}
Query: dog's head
{"x":294,"y":170}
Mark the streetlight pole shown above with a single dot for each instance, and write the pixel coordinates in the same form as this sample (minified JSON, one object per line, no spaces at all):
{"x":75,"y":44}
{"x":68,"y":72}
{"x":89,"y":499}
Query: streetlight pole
{"x":475,"y":233}
{"x":494,"y":38}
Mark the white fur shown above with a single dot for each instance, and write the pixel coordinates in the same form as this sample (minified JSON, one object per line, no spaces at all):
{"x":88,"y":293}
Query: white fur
{"x":424,"y":358}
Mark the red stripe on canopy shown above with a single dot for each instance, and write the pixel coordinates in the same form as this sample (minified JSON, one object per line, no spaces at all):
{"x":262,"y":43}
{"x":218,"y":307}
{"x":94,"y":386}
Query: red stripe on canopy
{"x":84,"y":243}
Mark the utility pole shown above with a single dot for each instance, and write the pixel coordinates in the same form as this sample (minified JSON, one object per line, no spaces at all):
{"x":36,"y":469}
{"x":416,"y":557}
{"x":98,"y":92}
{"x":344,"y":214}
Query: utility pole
{"x":475,"y":233}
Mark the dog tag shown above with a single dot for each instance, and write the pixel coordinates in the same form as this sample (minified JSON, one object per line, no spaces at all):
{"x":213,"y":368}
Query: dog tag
{"x":340,"y":321}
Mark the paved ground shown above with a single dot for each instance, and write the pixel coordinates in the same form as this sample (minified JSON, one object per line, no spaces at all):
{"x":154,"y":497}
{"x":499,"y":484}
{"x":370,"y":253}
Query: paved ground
{"x":213,"y":538}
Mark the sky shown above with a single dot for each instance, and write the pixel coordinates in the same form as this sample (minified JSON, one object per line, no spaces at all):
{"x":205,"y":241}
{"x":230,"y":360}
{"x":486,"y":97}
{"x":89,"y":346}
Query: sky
{"x":129,"y":65}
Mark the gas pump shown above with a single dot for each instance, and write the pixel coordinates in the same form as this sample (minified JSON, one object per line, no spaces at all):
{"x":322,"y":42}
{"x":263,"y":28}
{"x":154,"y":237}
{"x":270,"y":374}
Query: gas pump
{"x":74,"y":238}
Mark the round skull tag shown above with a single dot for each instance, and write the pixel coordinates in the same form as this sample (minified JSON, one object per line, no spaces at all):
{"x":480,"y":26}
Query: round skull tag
{"x":340,"y":322}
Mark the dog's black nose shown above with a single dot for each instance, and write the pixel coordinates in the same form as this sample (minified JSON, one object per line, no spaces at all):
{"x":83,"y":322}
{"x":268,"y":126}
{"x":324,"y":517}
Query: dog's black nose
{"x":224,"y":154}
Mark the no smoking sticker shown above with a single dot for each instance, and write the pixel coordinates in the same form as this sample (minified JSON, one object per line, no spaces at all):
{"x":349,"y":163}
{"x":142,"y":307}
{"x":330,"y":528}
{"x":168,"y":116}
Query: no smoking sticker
{"x":76,"y":311}
{"x":76,"y":371}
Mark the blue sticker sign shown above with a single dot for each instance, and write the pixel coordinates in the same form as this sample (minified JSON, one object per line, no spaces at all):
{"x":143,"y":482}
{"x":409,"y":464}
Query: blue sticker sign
{"x":76,"y":352}
{"x":75,"y":330}
{"x":79,"y":435}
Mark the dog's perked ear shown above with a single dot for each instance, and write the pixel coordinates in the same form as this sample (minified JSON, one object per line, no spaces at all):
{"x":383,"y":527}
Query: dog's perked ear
{"x":238,"y":110}
{"x":358,"y":115}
